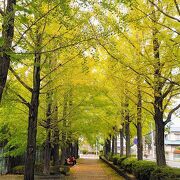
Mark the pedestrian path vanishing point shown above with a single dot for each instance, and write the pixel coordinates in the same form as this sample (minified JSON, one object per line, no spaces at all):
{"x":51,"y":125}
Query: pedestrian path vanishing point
{"x":92,"y":169}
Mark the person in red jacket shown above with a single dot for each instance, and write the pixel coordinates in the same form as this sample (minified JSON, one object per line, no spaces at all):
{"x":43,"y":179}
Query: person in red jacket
{"x":70,"y":160}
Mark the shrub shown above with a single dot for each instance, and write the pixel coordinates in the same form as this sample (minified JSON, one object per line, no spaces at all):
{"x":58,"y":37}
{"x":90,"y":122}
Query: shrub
{"x":84,"y":151}
{"x":127,"y":164}
{"x":165,"y":173}
{"x":101,"y":153}
{"x":120,"y":160}
{"x":110,"y":156}
{"x":18,"y":170}
{"x":64,"y":169}
{"x":38,"y":168}
{"x":142,"y":169}
{"x":115,"y":159}
{"x":54,"y":169}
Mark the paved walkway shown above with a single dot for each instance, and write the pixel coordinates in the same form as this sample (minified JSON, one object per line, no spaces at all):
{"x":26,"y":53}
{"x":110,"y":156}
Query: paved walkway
{"x":85,"y":169}
{"x":92,"y":169}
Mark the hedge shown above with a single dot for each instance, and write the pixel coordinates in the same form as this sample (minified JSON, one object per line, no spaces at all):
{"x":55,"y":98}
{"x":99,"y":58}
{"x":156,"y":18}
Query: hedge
{"x":115,"y":159}
{"x":142,"y":169}
{"x":127,"y":164}
{"x":121,"y":159}
{"x":18,"y":170}
{"x":146,"y":170}
{"x":165,"y":173}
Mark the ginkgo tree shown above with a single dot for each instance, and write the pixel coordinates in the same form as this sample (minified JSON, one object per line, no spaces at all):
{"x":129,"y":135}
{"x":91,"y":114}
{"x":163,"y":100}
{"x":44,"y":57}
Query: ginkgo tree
{"x":153,"y":50}
{"x":86,"y":68}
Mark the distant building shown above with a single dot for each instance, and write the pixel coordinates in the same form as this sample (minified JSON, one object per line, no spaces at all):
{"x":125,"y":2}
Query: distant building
{"x":172,"y":143}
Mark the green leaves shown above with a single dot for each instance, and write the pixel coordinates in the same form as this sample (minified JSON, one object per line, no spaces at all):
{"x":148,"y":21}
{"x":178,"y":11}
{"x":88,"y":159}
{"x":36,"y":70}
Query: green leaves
{"x":22,"y":9}
{"x":1,"y":41}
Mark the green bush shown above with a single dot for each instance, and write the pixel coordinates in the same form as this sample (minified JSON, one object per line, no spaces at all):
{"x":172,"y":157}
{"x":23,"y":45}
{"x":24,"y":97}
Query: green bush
{"x":84,"y":151}
{"x":165,"y":173}
{"x":115,"y":159}
{"x":54,"y":169}
{"x":18,"y":170}
{"x":110,"y":156}
{"x":38,"y":168}
{"x":127,"y":164}
{"x":146,"y":170}
{"x":120,"y":160}
{"x":101,"y":153}
{"x":142,"y":169}
{"x":64,"y":169}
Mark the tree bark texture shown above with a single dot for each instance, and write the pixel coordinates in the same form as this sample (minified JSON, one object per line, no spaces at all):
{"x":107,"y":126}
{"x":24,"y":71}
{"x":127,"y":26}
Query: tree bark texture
{"x":127,"y":128}
{"x":112,"y":145}
{"x":139,"y":124}
{"x":115,"y":144}
{"x":107,"y":147}
{"x":122,"y":141}
{"x":33,"y":114}
{"x":7,"y":38}
{"x":158,"y":102}
{"x":47,"y":149}
{"x":64,"y":134}
{"x":55,"y":137}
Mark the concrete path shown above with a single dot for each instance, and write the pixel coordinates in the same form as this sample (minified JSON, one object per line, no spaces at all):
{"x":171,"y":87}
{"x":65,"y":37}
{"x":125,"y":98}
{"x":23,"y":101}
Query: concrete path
{"x":92,"y":169}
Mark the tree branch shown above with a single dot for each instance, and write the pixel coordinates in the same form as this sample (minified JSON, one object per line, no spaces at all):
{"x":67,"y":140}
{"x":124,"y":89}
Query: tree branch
{"x":170,"y":114}
{"x":136,"y":104}
{"x":2,"y":12}
{"x":34,"y":23}
{"x":20,"y":80}
{"x":177,"y":6}
{"x":161,"y":24}
{"x":160,"y":10}
{"x":22,"y":99}
{"x":167,"y":91}
{"x":62,"y":64}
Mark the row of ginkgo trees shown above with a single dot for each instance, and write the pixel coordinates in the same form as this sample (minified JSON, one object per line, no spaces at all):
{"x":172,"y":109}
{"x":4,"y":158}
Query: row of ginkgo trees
{"x":144,"y":42}
{"x":138,"y":37}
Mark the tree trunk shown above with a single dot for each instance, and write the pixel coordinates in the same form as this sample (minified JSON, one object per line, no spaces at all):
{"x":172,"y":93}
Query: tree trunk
{"x":112,"y":145}
{"x":7,"y":37}
{"x":47,"y":150}
{"x":159,"y":141}
{"x":64,"y":133}
{"x":122,"y":141}
{"x":158,"y":99}
{"x":76,"y":149}
{"x":33,"y":114}
{"x":63,"y":155}
{"x":115,"y":144}
{"x":68,"y":150}
{"x":139,"y":142}
{"x":55,"y":138}
{"x":47,"y":154}
{"x":139,"y":124}
{"x":127,"y":127}
{"x":55,"y":155}
{"x":127,"y":133}
{"x":107,"y":147}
